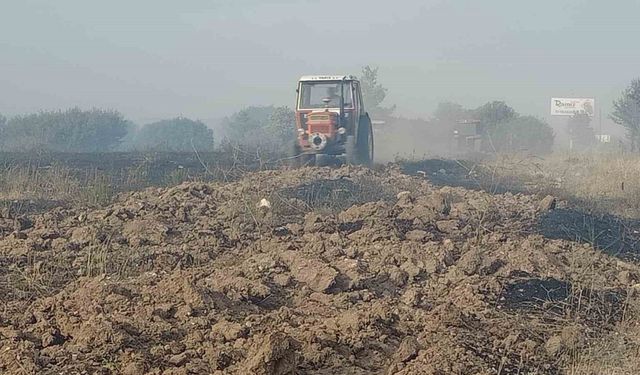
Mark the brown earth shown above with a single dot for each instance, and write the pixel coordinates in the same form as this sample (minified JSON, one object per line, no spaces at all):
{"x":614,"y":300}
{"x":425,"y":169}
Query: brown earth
{"x":339,"y":271}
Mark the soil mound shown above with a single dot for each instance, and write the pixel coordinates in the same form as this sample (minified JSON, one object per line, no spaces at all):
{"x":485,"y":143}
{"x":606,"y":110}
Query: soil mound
{"x":317,"y":270}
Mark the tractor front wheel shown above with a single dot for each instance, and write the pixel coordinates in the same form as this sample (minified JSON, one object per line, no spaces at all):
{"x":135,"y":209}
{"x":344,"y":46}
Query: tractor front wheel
{"x":350,"y":150}
{"x":297,"y":159}
{"x":323,"y":160}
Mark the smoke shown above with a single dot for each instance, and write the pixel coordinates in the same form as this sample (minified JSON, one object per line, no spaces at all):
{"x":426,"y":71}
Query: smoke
{"x":403,"y":138}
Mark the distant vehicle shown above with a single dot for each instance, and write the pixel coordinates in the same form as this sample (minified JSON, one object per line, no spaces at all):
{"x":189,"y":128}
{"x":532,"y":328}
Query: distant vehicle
{"x":468,"y":137}
{"x":331,"y":122}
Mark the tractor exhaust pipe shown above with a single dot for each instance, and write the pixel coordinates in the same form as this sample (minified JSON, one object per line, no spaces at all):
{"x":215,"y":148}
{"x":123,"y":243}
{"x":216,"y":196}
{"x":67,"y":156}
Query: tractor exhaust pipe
{"x":341,"y":114}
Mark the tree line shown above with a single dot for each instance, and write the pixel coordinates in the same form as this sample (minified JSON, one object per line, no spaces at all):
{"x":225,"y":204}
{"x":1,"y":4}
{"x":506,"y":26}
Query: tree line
{"x":98,"y":130}
{"x":504,"y":130}
{"x":270,"y":128}
{"x":498,"y":127}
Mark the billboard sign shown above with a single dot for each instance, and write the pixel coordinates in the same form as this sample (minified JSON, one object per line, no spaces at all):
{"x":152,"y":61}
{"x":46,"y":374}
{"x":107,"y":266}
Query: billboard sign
{"x":572,"y":106}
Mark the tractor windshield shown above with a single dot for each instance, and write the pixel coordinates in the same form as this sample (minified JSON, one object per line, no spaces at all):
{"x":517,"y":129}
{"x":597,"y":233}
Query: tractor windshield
{"x":324,"y":95}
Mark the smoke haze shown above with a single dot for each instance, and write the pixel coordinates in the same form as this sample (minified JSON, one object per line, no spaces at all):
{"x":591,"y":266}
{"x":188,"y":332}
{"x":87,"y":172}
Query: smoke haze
{"x":207,"y":59}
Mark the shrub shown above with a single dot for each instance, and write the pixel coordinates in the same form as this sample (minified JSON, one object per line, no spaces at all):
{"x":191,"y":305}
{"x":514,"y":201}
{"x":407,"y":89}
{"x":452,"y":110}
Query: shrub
{"x":626,"y":112}
{"x":73,"y":130}
{"x":522,"y":133}
{"x":271,"y":128}
{"x":177,"y":135}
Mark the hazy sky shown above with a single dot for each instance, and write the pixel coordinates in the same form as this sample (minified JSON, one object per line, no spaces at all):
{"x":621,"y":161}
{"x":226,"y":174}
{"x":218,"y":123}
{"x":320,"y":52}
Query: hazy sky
{"x":152,"y":59}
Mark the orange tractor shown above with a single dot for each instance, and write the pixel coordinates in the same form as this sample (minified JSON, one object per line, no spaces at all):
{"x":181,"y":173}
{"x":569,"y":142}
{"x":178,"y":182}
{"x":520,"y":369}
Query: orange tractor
{"x":331,"y":121}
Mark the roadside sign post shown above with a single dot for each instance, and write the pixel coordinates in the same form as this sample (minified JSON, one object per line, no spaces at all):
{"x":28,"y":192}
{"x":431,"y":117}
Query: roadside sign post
{"x":572,"y":107}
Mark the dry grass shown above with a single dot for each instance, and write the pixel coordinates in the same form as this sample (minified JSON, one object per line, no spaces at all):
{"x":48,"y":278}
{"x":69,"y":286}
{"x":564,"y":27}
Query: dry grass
{"x":34,"y":182}
{"x":618,"y":353}
{"x":54,"y":185}
{"x":612,"y":347}
{"x":604,"y":183}
{"x":598,"y":185}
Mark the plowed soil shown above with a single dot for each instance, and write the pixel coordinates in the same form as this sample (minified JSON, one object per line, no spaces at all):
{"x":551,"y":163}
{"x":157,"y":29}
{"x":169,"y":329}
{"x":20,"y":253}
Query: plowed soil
{"x":312,"y":271}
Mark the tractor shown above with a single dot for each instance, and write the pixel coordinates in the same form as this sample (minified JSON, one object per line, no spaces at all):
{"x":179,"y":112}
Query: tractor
{"x":332,"y":124}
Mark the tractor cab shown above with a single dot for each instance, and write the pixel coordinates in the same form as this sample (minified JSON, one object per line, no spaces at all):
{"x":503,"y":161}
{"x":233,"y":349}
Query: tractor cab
{"x":331,"y":121}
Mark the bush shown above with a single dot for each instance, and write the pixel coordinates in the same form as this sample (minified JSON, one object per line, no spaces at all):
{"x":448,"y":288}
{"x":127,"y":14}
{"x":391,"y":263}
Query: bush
{"x":626,"y":112}
{"x":271,"y":128}
{"x":374,"y":93}
{"x":522,"y":133}
{"x":3,"y":123}
{"x":582,"y":135}
{"x":493,"y":113}
{"x":73,"y":130}
{"x":177,"y":135}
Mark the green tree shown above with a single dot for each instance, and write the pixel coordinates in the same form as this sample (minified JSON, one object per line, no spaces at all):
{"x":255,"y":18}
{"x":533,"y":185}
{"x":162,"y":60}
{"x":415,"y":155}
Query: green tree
{"x":493,"y":113}
{"x":500,"y":127}
{"x":281,"y":124}
{"x":73,"y":130}
{"x":522,"y":133}
{"x":271,"y":128}
{"x":450,"y":113}
{"x":242,"y":127}
{"x":374,"y":93}
{"x":176,"y":135}
{"x":626,"y":112}
{"x":580,"y":131}
{"x":3,"y":124}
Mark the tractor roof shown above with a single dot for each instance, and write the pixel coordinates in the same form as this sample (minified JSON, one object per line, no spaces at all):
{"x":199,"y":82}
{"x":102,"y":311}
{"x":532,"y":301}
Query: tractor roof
{"x":328,"y":78}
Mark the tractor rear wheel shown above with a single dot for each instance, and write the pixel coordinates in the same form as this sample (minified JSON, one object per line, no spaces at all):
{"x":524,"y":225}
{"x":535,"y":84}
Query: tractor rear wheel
{"x":364,"y":144}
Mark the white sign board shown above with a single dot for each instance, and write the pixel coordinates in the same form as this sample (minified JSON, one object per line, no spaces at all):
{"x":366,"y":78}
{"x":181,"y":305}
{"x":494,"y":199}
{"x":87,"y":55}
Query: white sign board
{"x":571,"y":106}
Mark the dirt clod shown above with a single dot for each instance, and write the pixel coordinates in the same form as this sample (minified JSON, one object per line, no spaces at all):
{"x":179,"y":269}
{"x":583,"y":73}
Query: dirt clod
{"x":317,"y":275}
{"x":407,"y":350}
{"x":274,"y":355}
{"x":548,"y":203}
